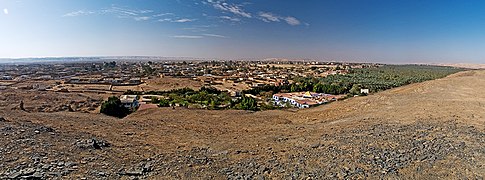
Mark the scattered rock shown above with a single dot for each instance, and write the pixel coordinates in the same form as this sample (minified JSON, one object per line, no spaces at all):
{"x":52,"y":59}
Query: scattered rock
{"x":37,"y":175}
{"x":92,"y":144}
{"x":133,"y":173}
{"x":15,"y":175}
{"x":44,"y":129}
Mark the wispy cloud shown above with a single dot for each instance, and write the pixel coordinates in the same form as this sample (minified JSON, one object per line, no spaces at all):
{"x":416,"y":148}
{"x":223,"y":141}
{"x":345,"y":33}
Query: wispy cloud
{"x":208,"y":35}
{"x":292,"y":21}
{"x":233,"y":19}
{"x":5,"y":11}
{"x":215,"y":35}
{"x":183,"y":20}
{"x":187,"y":37}
{"x":78,"y":13}
{"x":270,"y":17}
{"x":231,"y":12}
{"x":142,"y":18}
{"x":236,"y":9}
{"x":239,"y":11}
{"x":125,"y":12}
{"x":135,"y":14}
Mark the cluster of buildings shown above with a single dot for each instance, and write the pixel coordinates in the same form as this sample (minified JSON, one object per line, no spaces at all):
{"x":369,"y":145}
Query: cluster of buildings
{"x":91,"y":72}
{"x":240,"y":75}
{"x":128,"y":81}
{"x":302,"y":99}
{"x":246,"y":74}
{"x":93,"y":75}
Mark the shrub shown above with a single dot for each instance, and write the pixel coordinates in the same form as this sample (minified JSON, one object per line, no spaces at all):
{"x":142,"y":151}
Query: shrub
{"x":113,"y":107}
{"x":163,"y":103}
{"x":248,"y":103}
{"x":155,"y":100}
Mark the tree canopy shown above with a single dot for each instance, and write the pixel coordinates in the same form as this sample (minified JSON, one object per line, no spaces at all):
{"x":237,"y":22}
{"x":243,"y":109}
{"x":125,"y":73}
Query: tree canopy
{"x":113,"y":107}
{"x":248,"y":103}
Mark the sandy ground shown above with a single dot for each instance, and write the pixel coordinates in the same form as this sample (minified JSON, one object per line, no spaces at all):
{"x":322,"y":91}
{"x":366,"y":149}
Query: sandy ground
{"x":168,"y":83}
{"x":429,"y":130}
{"x":466,"y":65}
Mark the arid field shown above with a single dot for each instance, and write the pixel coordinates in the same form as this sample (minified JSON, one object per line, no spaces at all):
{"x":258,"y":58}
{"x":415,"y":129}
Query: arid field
{"x":429,"y":130}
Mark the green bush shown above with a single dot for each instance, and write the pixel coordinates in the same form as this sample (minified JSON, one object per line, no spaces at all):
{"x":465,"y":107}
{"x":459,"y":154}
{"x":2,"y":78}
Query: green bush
{"x":248,"y":103}
{"x":268,"y":106}
{"x":155,"y":100}
{"x":355,"y":90}
{"x":113,"y":107}
{"x":163,"y":103}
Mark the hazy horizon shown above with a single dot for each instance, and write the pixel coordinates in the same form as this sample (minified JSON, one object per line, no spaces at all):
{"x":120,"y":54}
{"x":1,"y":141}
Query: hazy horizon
{"x":350,"y":31}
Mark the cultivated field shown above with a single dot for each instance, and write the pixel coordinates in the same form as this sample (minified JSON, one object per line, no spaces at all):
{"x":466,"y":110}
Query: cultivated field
{"x":429,"y":130}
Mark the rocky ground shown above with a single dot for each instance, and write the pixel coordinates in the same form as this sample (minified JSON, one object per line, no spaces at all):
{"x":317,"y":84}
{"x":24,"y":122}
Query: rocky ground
{"x":47,"y":101}
{"x":430,"y":130}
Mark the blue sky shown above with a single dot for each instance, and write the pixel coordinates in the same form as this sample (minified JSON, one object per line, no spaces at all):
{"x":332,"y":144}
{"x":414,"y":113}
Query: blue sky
{"x":410,"y":31}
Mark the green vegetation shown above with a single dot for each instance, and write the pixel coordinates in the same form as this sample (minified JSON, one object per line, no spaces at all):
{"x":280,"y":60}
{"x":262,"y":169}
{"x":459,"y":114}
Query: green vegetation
{"x":247,"y":103}
{"x":329,"y":88}
{"x":147,"y":70}
{"x":163,"y":103}
{"x":355,"y":89}
{"x":111,"y":64}
{"x":113,"y":107}
{"x":373,"y":78}
{"x":390,"y":76}
{"x":206,"y":97}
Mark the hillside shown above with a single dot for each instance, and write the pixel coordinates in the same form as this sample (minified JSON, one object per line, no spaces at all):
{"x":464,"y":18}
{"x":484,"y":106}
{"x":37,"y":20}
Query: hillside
{"x":429,"y":130}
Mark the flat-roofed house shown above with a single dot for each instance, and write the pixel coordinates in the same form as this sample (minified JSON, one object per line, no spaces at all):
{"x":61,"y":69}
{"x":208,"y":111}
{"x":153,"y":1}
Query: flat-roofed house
{"x":302,"y":99}
{"x":305,"y":103}
{"x":129,"y":101}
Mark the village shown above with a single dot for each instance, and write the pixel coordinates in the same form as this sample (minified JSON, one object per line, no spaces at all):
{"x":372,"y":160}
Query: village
{"x":116,"y":78}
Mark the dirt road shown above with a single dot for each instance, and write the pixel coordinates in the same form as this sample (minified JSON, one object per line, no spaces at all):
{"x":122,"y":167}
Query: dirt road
{"x":430,"y":130}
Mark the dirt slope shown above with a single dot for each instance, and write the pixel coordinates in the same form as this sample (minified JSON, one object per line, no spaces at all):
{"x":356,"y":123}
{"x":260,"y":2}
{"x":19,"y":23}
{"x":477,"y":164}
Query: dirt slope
{"x":430,"y":130}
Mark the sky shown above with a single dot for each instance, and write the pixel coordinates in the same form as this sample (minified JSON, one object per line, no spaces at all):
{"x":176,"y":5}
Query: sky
{"x":388,"y":31}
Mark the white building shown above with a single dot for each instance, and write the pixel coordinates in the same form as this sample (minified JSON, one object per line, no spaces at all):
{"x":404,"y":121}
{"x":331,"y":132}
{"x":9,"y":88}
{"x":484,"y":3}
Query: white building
{"x":129,"y":101}
{"x":302,"y":99}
